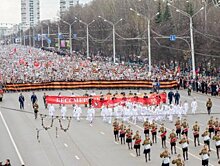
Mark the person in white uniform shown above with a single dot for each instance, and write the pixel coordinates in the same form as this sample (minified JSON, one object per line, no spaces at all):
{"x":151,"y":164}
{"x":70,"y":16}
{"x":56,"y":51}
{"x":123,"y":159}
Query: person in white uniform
{"x":51,"y":110}
{"x":90,"y":115}
{"x":194,"y":106}
{"x":78,"y":113}
{"x":185,"y":107}
{"x":63,"y":111}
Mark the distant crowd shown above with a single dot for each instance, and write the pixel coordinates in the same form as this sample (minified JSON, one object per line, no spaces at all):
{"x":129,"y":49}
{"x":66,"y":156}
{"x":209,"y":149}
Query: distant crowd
{"x":23,"y":64}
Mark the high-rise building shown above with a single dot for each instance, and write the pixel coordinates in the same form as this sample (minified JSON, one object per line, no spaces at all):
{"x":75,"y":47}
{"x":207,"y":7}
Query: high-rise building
{"x":30,"y":13}
{"x":66,"y":4}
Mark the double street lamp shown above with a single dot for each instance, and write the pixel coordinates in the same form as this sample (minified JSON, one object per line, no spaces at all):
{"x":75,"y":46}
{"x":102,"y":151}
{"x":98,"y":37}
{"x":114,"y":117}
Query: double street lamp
{"x":113,"y":26}
{"x":191,"y":34}
{"x":70,"y":34}
{"x":148,"y":34}
{"x":87,"y":34}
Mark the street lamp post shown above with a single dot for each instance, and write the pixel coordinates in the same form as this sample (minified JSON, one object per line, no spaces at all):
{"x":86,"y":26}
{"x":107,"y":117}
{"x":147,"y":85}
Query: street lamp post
{"x":48,"y":31}
{"x":58,"y":29}
{"x":148,"y":35}
{"x":42,"y":40}
{"x":191,"y":34}
{"x":87,"y":35}
{"x":70,"y":34}
{"x":113,"y":35}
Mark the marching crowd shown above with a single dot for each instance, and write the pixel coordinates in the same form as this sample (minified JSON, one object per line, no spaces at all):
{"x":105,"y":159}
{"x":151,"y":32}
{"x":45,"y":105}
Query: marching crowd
{"x":152,"y":118}
{"x":23,"y":64}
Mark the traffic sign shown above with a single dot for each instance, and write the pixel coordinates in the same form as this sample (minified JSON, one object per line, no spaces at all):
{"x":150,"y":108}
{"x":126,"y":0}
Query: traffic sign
{"x":172,"y":37}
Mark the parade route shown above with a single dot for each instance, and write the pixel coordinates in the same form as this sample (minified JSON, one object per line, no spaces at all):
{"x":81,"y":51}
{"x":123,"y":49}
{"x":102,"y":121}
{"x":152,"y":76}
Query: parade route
{"x":84,"y":144}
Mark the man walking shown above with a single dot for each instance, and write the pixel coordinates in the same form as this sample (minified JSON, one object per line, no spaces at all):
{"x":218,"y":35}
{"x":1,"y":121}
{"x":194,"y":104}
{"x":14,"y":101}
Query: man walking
{"x":170,"y":97}
{"x":209,"y":105}
{"x":35,"y":106}
{"x":21,"y":101}
{"x":177,"y":98}
{"x":33,"y":98}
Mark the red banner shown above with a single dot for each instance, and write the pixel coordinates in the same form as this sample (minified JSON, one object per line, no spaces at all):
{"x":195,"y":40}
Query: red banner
{"x":153,"y":99}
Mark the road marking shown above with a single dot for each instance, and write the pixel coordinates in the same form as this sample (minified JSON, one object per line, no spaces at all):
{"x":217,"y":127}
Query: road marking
{"x":132,"y":154}
{"x":102,"y":133}
{"x":66,"y":145}
{"x":176,"y":146}
{"x":12,"y":140}
{"x":77,"y":157}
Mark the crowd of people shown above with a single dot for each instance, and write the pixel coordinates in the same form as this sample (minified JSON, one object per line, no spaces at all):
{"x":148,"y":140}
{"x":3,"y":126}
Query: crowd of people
{"x":23,"y":64}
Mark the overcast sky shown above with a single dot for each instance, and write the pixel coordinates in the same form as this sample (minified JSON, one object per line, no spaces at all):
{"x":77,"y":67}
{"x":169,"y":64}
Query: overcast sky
{"x":10,"y":10}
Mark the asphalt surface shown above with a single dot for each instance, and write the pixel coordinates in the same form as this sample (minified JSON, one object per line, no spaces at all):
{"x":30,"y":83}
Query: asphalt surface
{"x":82,"y":144}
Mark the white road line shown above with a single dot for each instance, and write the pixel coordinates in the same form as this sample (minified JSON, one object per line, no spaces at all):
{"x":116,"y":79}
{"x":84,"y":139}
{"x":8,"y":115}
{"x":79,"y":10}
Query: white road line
{"x":12,"y":140}
{"x":132,"y":154}
{"x":66,"y":145}
{"x":77,"y":157}
{"x":102,"y":133}
{"x":176,"y":146}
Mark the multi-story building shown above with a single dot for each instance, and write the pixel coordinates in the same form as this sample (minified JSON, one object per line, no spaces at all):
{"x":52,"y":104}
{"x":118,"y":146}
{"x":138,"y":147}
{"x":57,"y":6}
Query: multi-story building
{"x":66,"y":4}
{"x":30,"y":13}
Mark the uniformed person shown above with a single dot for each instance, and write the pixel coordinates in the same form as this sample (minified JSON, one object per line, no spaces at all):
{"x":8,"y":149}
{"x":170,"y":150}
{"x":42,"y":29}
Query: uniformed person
{"x":206,"y":138}
{"x":116,"y":129}
{"x":86,"y":95}
{"x":178,"y":127}
{"x":122,"y":132}
{"x":185,"y":127}
{"x":217,"y":143}
{"x":129,"y":134}
{"x":173,"y":139}
{"x":211,"y":126}
{"x":35,"y":107}
{"x":147,"y":146}
{"x":21,"y":101}
{"x":166,"y":157}
{"x":196,"y":129}
{"x":44,"y":99}
{"x":163,"y":132}
{"x":146,"y":127}
{"x":184,"y":143}
{"x":178,"y":161}
{"x":137,"y":143}
{"x":205,"y":156}
{"x":217,"y":126}
{"x":154,"y":132}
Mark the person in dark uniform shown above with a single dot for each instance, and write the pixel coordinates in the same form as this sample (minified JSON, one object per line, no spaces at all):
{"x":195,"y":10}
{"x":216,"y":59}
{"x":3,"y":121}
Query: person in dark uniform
{"x":137,"y":143}
{"x":173,"y":139}
{"x":86,"y":95}
{"x":196,"y":129}
{"x":184,"y":143}
{"x":163,"y":132}
{"x":44,"y":99}
{"x":129,"y":134}
{"x":154,"y":132}
{"x":33,"y":98}
{"x":146,"y":126}
{"x":7,"y":162}
{"x":209,"y":106}
{"x":170,"y":97}
{"x":116,"y":129}
{"x":178,"y":127}
{"x":21,"y":101}
{"x":35,"y":107}
{"x":177,"y":98}
{"x":90,"y":101}
{"x":122,"y":132}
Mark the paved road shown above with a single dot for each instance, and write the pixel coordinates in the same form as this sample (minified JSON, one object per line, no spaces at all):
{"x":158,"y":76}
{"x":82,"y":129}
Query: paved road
{"x":82,"y":144}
